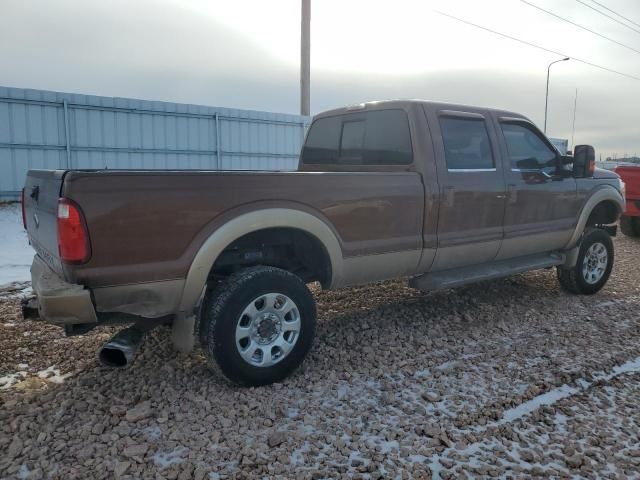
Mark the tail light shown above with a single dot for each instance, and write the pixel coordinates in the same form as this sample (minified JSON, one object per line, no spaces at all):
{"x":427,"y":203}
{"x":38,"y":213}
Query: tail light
{"x":73,"y":238}
{"x":24,"y":214}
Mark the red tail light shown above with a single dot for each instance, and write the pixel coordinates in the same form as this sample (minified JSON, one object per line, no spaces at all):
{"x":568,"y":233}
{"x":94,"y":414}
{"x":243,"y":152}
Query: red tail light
{"x":73,"y":238}
{"x":24,"y":215}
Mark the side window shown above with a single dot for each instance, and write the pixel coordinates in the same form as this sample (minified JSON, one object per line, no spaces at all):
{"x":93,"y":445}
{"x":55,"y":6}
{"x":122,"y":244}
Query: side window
{"x":379,"y":137}
{"x":466,"y":144}
{"x":321,"y":146}
{"x":527,"y":151}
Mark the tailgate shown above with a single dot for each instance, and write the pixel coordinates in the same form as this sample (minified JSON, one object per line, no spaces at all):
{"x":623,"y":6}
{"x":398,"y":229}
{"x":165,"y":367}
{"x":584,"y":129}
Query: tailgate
{"x":631,"y":177}
{"x":41,"y":193}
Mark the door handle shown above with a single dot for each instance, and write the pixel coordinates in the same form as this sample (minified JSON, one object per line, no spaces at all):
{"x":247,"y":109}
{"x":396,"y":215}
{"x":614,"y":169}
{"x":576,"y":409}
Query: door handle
{"x":512,"y":193}
{"x":500,"y":195}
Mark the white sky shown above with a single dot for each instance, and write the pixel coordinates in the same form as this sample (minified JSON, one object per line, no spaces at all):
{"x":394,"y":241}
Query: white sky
{"x":245,"y":53}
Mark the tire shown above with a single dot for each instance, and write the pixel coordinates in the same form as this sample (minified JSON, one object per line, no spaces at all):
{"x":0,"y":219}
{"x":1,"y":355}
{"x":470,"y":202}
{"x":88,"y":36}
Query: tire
{"x":590,"y":273}
{"x":630,"y":226}
{"x":257,"y":327}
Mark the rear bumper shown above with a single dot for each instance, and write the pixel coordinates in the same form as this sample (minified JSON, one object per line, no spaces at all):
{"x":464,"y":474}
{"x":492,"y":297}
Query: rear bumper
{"x":57,"y":301}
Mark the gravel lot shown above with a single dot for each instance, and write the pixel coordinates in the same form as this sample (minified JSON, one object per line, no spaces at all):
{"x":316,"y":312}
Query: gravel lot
{"x":511,"y":378}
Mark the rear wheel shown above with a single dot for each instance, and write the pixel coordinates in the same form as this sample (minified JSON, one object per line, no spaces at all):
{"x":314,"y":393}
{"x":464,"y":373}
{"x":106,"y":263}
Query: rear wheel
{"x":630,"y":226}
{"x":258,"y":326}
{"x":592,"y":270}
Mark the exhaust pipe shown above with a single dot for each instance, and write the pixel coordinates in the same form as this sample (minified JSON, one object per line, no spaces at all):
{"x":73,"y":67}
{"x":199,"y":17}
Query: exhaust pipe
{"x":122,"y":348}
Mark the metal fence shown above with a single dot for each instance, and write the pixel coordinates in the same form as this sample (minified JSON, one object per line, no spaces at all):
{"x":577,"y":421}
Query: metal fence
{"x":42,"y":129}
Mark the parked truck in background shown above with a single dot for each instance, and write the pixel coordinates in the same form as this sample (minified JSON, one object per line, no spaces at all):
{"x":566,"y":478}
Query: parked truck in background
{"x":443,"y":194}
{"x":630,"y":219}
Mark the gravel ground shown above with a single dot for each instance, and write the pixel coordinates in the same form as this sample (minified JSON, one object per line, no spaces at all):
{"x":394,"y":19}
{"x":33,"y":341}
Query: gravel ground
{"x":511,"y":379}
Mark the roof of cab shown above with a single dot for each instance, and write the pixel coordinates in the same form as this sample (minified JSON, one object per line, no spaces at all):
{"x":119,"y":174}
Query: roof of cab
{"x":405,"y":104}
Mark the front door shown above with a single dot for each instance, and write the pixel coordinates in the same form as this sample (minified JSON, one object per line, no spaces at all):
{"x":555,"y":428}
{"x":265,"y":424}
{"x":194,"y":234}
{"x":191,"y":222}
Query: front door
{"x":542,"y":204}
{"x":472,"y":189}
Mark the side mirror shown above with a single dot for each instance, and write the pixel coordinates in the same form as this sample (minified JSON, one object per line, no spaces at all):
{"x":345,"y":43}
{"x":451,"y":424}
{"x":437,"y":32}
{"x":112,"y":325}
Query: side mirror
{"x":584,"y":161}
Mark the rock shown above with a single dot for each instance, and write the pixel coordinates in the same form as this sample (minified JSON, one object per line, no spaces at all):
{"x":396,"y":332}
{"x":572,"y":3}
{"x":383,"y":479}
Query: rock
{"x":574,"y":461}
{"x":15,"y":447}
{"x":139,"y":412}
{"x":431,"y":396}
{"x":135,"y":450}
{"x":117,"y":410}
{"x":527,"y":456}
{"x":445,"y":440}
{"x":121,"y":468}
{"x":200,"y":473}
{"x":97,"y":429}
{"x":275,"y":439}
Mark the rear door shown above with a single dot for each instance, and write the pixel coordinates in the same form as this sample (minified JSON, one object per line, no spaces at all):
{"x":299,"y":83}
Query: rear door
{"x":41,"y":193}
{"x":542,"y":205}
{"x":472,"y":188}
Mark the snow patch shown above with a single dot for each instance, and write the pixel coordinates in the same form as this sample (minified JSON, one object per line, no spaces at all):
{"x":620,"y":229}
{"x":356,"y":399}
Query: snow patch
{"x":166,"y":459}
{"x":16,"y":254}
{"x":24,"y":472}
{"x":52,"y":374}
{"x":548,"y":398}
{"x":8,"y":380}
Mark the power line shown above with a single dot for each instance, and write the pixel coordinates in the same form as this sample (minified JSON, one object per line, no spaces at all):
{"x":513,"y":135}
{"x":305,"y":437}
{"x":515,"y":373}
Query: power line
{"x":616,"y":13}
{"x":580,"y":26}
{"x":608,"y":16}
{"x":628,"y":75}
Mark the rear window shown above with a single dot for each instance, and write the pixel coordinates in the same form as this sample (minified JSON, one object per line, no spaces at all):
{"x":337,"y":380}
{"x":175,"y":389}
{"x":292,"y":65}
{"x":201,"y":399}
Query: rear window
{"x":367,"y":138}
{"x":466,"y":144}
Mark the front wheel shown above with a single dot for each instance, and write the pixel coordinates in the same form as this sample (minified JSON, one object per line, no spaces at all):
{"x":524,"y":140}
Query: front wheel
{"x":592,"y":270}
{"x":258,"y":326}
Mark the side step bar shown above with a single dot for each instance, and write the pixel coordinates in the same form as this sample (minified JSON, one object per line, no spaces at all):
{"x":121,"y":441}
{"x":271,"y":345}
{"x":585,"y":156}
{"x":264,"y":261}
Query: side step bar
{"x":487,"y":271}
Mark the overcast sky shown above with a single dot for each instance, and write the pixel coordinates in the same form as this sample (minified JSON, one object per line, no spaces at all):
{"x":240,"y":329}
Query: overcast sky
{"x":245,"y":54}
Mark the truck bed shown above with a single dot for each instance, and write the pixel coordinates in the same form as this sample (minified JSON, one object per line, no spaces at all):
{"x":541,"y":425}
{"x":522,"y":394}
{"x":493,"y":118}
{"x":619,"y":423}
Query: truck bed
{"x":146,"y":226}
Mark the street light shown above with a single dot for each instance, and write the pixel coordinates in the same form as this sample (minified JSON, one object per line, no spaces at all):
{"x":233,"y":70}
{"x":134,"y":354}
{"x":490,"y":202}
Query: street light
{"x":546,"y":98}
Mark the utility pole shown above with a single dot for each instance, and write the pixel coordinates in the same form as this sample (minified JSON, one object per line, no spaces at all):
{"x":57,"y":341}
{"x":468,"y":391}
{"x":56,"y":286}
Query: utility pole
{"x":573,"y":126}
{"x":305,"y":58}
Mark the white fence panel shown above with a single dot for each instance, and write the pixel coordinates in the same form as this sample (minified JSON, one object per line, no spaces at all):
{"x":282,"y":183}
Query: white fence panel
{"x":42,"y":129}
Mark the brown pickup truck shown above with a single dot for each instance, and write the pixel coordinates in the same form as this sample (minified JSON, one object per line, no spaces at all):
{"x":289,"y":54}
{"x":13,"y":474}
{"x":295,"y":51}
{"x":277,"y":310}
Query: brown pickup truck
{"x":442,"y":194}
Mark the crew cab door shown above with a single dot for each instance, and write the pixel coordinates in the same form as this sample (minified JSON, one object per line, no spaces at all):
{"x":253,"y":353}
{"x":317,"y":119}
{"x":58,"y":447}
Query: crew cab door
{"x":542,"y":202}
{"x":472,"y":188}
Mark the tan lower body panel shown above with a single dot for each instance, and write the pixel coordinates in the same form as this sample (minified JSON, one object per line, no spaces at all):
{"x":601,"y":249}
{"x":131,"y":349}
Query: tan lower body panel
{"x":151,"y":300}
{"x":465,"y":254}
{"x":535,"y":243}
{"x":370,"y":268}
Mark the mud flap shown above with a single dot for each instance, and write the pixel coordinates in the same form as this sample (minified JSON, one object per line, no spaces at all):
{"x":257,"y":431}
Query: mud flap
{"x":183,"y":332}
{"x":30,"y":309}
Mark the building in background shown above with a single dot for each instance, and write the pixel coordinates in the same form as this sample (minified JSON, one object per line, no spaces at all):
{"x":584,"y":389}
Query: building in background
{"x":51,"y":130}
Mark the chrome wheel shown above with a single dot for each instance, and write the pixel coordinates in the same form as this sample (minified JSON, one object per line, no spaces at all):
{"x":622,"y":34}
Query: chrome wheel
{"x":267,"y":329}
{"x":595,"y":263}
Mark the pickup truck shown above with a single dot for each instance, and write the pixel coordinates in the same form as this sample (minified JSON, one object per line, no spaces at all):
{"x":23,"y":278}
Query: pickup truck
{"x":630,"y":220}
{"x":441,"y":194}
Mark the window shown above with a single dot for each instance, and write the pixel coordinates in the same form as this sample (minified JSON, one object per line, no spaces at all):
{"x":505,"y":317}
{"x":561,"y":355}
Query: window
{"x":466,"y":144}
{"x":527,"y":150}
{"x":379,"y":137}
{"x":321,"y":146}
{"x":387,"y":140}
{"x":351,"y":142}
